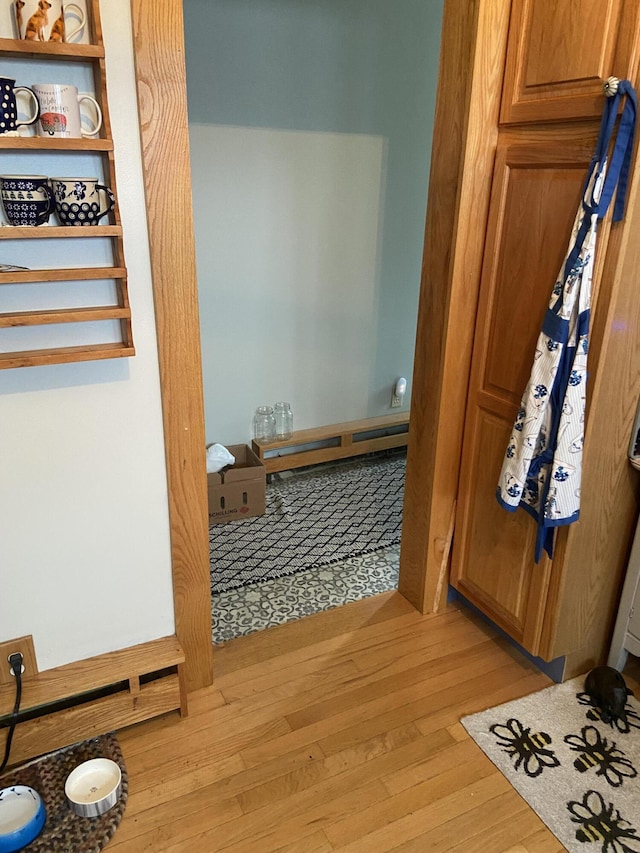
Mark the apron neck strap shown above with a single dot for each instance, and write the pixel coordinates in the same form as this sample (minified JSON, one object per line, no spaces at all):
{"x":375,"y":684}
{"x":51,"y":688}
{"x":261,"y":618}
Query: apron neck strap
{"x":618,"y":171}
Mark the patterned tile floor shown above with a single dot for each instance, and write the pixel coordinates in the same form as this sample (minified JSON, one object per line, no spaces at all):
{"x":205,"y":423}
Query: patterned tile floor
{"x":237,"y":612}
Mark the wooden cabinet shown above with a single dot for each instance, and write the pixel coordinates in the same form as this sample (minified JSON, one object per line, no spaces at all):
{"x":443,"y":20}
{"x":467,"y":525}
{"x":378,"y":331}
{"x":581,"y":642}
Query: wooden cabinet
{"x":92,"y":55}
{"x":530,"y":101}
{"x":536,"y":191}
{"x":559,"y":54}
{"x":556,"y":62}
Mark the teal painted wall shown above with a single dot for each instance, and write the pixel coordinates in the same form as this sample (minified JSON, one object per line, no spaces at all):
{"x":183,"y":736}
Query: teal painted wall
{"x":326,"y":67}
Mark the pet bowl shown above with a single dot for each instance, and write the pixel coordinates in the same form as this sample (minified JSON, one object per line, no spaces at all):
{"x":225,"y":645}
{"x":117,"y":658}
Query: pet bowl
{"x":22,"y":816}
{"x":93,"y":787}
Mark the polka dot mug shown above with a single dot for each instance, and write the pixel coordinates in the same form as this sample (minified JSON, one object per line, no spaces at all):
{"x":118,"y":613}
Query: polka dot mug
{"x":9,"y":122}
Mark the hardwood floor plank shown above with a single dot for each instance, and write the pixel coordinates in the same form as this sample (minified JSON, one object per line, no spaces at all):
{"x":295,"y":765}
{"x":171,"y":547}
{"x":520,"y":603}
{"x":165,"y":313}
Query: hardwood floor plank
{"x":311,"y":774}
{"x":268,"y":829}
{"x":332,"y":790}
{"x":543,"y":841}
{"x":332,"y":679}
{"x":264,"y":645}
{"x":133,"y":736}
{"x":369,"y":657}
{"x":444,"y":778}
{"x":421,"y":809}
{"x":316,"y":843}
{"x":289,"y":681}
{"x":360,"y":638}
{"x":479,"y":830}
{"x":515,"y":820}
{"x":431,"y":674}
{"x":222,"y":782}
{"x":337,"y":732}
{"x":152,"y":830}
{"x":530,"y":682}
{"x":162,"y":784}
{"x":348,"y":738}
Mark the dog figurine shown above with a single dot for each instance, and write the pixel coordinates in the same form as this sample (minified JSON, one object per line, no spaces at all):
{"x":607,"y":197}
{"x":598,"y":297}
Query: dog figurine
{"x":57,"y":30}
{"x":608,"y":692}
{"x":37,"y":22}
{"x":19,"y":8}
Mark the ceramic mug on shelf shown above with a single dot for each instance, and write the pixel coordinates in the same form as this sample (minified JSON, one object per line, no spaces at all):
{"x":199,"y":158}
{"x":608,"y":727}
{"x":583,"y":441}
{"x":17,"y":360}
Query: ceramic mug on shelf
{"x":9,"y":122}
{"x":45,"y":20}
{"x":60,"y":111}
{"x":26,"y":199}
{"x":81,"y":201}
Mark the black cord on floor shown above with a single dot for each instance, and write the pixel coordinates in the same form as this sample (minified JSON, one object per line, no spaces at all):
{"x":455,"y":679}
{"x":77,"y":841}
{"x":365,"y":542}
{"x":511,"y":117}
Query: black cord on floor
{"x":17,"y":671}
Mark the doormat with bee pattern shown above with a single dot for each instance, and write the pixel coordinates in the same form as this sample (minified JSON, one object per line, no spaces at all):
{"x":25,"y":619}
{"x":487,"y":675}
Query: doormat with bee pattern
{"x":579,"y":774}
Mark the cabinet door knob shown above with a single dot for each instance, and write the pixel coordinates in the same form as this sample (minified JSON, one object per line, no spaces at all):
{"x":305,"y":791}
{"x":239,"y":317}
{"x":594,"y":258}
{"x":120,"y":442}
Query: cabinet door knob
{"x":610,"y":87}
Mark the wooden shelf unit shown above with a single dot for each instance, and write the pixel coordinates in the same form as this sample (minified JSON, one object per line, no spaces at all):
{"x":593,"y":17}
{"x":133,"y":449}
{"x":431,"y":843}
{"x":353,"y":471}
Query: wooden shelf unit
{"x":18,"y":48}
{"x":46,"y":232}
{"x":40,"y":143}
{"x":94,"y":55}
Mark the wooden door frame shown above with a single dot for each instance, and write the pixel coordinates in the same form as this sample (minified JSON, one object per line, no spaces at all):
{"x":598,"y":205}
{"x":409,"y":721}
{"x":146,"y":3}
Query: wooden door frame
{"x":472,"y":58}
{"x":446,"y":312}
{"x":162,"y":102}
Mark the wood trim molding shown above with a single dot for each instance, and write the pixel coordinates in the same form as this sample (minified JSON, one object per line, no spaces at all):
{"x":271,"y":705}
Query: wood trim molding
{"x":474,"y":40}
{"x":162,"y":100}
{"x":90,"y":697}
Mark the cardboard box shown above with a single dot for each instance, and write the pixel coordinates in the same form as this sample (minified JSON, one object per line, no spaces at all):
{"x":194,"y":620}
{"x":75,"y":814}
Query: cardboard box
{"x":237,"y":492}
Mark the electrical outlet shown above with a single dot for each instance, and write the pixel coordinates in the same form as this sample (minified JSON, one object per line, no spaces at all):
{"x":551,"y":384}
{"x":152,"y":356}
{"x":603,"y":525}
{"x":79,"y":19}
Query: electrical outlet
{"x":24,"y":645}
{"x":396,"y":401}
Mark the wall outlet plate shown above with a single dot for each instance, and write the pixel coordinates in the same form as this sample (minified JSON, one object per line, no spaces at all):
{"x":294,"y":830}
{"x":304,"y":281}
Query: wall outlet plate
{"x":396,"y":401}
{"x":29,"y":663}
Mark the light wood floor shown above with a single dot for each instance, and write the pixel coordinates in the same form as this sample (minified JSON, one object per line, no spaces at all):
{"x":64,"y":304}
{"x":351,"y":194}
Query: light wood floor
{"x":337,"y":732}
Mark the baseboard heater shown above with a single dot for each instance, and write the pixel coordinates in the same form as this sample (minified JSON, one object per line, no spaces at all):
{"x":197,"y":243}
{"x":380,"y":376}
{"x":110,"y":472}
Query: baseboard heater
{"x":95,"y":696}
{"x":333,"y":442}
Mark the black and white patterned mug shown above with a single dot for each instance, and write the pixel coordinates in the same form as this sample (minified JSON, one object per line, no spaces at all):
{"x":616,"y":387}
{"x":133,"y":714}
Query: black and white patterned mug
{"x":81,"y":201}
{"x":26,"y":199}
{"x":9,"y":122}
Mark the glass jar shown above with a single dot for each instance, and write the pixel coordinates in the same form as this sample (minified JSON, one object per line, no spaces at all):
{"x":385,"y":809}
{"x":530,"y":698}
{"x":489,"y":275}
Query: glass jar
{"x":264,"y":425}
{"x":284,"y":421}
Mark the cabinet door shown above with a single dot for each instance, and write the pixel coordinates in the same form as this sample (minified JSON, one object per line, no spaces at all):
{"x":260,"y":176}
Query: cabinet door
{"x":535,"y":195}
{"x":560,"y":53}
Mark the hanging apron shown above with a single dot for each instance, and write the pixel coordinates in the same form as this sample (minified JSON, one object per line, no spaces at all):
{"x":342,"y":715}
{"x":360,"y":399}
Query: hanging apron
{"x":543,"y":462}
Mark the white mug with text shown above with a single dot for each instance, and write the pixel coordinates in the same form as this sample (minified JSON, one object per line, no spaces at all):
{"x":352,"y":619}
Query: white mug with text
{"x":60,"y":113}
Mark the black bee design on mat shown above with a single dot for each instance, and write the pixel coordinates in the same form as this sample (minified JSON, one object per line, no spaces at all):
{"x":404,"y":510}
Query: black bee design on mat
{"x":621,"y":726}
{"x":528,"y":749}
{"x":602,"y":825}
{"x":596,"y":751}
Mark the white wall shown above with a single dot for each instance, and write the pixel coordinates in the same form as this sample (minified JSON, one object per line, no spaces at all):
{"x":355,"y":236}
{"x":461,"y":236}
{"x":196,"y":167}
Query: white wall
{"x":84,"y":533}
{"x":292,"y":305}
{"x":290,"y":250}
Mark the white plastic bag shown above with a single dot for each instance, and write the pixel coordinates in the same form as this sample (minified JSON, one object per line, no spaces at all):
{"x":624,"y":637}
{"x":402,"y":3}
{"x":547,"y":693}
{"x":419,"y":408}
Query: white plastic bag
{"x":218,"y":457}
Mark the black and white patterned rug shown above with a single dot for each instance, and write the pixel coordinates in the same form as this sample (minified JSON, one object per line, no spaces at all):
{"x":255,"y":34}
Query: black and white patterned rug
{"x":578,"y":773}
{"x":313,"y":520}
{"x":244,"y":610}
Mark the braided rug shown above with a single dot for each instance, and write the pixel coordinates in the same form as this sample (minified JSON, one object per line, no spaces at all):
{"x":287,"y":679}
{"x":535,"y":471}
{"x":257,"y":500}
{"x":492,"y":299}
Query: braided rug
{"x":64,"y":831}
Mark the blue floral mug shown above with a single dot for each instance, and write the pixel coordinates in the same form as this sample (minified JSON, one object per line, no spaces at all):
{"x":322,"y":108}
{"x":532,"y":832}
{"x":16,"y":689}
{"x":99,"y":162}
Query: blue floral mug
{"x":26,"y":199}
{"x":81,"y":201}
{"x":9,"y":122}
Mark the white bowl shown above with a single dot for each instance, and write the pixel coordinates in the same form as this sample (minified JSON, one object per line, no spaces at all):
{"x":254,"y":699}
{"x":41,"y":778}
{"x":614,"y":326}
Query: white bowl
{"x":93,"y":787}
{"x":22,"y":816}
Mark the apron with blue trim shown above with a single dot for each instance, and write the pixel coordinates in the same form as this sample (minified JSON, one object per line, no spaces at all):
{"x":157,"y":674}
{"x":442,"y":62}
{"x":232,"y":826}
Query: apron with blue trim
{"x":543,"y":462}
